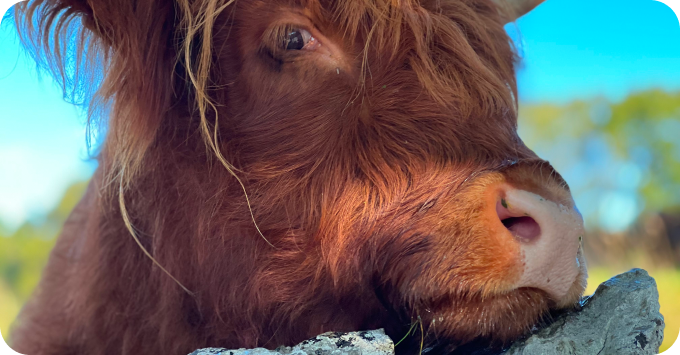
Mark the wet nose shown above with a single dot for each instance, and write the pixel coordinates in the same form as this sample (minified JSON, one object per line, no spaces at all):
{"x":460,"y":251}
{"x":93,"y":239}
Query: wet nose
{"x":549,"y":234}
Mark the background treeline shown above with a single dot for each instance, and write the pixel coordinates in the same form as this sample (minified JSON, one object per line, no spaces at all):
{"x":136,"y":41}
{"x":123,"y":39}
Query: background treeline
{"x":622,"y":161}
{"x":24,"y":253}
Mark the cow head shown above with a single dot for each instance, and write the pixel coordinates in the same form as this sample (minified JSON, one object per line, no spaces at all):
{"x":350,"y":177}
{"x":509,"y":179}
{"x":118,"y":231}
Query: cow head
{"x":385,"y":132}
{"x":369,"y":148}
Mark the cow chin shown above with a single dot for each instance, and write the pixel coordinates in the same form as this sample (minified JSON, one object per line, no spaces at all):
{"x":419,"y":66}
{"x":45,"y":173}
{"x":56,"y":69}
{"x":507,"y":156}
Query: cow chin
{"x":467,"y":320}
{"x":488,"y":322}
{"x":499,"y":319}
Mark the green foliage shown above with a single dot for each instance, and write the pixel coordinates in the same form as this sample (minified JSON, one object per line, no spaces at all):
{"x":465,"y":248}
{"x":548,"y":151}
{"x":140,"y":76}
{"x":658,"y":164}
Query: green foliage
{"x":22,"y":258}
{"x":651,"y":120}
{"x":24,"y":254}
{"x":643,"y":131}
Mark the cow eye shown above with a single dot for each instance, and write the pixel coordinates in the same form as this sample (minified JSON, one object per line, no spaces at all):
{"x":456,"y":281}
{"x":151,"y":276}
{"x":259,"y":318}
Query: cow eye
{"x":297,"y":39}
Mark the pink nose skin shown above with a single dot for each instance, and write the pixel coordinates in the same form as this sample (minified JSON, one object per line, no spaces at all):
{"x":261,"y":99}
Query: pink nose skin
{"x":549,"y":234}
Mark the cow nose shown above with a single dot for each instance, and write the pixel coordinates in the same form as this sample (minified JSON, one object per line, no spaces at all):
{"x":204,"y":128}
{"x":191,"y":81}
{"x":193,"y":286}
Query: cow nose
{"x":549,"y":235}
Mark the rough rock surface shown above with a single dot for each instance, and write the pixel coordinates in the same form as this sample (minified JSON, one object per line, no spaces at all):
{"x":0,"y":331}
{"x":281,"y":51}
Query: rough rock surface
{"x":621,"y":318}
{"x":373,"y":342}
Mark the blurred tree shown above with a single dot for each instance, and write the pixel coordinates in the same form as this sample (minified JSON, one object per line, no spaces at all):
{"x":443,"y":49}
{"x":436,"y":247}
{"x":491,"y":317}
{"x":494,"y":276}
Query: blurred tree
{"x":24,"y":253}
{"x":645,"y":129}
{"x":620,"y":159}
{"x":22,"y":257}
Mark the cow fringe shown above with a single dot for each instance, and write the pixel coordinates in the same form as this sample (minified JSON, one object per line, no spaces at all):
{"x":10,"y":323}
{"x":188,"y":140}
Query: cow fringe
{"x":201,"y":24}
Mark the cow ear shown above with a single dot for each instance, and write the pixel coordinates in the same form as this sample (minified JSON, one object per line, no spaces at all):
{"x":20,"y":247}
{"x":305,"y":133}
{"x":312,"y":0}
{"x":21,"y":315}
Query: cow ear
{"x":515,"y":9}
{"x":115,"y":57}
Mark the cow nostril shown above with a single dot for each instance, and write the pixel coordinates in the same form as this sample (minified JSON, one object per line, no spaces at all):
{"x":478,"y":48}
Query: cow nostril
{"x":523,"y":228}
{"x":520,"y":224}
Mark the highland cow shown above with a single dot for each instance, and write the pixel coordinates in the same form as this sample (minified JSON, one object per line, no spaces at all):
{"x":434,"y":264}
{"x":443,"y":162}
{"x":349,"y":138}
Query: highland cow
{"x":275,"y":169}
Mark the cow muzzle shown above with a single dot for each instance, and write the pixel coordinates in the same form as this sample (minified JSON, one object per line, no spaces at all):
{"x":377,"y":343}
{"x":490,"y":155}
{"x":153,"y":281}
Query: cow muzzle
{"x":549,"y":234}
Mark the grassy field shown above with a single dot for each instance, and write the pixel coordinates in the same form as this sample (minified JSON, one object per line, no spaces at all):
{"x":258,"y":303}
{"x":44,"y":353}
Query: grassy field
{"x":668,"y":282}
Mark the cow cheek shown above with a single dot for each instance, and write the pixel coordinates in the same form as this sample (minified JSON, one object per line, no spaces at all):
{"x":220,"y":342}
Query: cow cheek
{"x":472,"y":255}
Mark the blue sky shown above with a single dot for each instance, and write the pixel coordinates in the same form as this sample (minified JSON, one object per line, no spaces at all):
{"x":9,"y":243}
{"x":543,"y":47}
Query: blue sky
{"x":572,"y":49}
{"x":585,"y":48}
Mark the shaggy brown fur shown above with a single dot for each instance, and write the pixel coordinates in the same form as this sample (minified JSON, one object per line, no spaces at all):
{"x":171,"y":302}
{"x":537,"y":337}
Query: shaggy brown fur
{"x":279,"y":196}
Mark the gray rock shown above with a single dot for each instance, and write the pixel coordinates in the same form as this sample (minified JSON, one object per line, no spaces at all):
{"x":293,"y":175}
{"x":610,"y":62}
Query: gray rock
{"x":622,"y":317}
{"x":373,"y":342}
